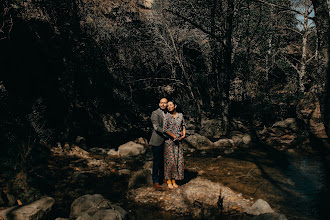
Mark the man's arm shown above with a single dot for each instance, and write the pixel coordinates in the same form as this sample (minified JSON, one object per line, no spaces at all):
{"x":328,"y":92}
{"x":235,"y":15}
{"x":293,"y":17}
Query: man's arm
{"x":155,"y":123}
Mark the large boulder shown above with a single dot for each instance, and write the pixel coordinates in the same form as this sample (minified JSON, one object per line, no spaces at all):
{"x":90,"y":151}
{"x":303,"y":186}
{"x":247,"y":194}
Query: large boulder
{"x":259,"y":207}
{"x":140,"y":178}
{"x":87,"y":203}
{"x":95,"y":206}
{"x":284,"y":133}
{"x":35,"y":210}
{"x":131,"y":149}
{"x":199,"y":142}
{"x":199,"y":198}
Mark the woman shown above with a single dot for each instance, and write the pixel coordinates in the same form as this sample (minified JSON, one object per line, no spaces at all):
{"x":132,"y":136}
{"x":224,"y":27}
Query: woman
{"x":174,"y":127}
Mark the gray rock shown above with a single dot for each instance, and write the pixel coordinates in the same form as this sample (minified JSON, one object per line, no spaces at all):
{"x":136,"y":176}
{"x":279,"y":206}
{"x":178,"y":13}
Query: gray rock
{"x":141,"y":141}
{"x":35,"y":210}
{"x":197,"y":198}
{"x":199,"y":142}
{"x":247,"y":140}
{"x":148,"y":165}
{"x":120,"y":210}
{"x":131,"y":149}
{"x":237,"y":139}
{"x":113,"y":152}
{"x":223,"y":143}
{"x":270,"y":216}
{"x":140,"y":179}
{"x":98,"y":150}
{"x":89,"y":207}
{"x":84,"y":216}
{"x":124,"y":172}
{"x":88,"y":204}
{"x":289,"y":123}
{"x":62,"y":219}
{"x":259,"y":207}
{"x":107,"y":214}
{"x":145,"y":3}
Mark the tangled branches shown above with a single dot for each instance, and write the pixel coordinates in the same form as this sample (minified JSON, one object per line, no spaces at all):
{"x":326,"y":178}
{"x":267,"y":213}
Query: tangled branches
{"x":6,"y":21}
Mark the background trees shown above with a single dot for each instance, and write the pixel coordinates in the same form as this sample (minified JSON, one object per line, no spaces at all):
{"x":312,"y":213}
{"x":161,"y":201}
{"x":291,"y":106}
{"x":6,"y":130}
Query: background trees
{"x":109,"y":62}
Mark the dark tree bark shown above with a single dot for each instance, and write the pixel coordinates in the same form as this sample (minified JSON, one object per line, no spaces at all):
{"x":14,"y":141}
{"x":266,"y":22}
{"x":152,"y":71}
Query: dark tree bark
{"x":227,"y":65}
{"x":323,"y":33}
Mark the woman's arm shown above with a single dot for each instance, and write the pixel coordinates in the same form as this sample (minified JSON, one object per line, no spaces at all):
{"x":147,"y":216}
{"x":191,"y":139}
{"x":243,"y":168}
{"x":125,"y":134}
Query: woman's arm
{"x":183,"y":133}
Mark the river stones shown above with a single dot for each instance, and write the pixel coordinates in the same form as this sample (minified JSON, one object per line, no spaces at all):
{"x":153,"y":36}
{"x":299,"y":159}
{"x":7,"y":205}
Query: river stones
{"x":35,"y":210}
{"x":199,"y":142}
{"x":131,"y":149}
{"x":95,"y":206}
{"x":259,"y":207}
{"x":224,"y":143}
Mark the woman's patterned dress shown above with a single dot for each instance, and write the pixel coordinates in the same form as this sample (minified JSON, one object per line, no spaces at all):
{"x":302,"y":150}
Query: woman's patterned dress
{"x":173,"y":151}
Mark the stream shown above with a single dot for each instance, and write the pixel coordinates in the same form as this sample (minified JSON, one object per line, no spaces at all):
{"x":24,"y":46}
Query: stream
{"x":294,"y":184}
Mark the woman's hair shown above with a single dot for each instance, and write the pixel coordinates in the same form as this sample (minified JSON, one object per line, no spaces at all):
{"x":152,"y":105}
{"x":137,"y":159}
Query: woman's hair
{"x":174,"y":102}
{"x":178,"y":107}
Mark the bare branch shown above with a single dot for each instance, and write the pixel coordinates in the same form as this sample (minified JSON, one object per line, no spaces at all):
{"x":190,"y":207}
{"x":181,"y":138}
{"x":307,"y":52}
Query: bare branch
{"x":282,"y":8}
{"x":198,"y":26}
{"x":290,"y":63}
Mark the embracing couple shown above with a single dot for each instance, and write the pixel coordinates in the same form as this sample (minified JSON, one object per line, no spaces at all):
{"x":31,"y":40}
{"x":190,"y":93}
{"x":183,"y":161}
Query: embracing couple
{"x":168,"y":131}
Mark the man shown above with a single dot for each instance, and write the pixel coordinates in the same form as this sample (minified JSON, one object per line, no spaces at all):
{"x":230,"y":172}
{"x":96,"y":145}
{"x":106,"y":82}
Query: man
{"x":157,"y":143}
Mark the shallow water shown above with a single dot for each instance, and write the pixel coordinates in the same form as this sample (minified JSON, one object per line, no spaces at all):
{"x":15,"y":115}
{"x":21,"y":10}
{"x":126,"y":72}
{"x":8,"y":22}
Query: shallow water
{"x":307,"y":181}
{"x":294,"y":184}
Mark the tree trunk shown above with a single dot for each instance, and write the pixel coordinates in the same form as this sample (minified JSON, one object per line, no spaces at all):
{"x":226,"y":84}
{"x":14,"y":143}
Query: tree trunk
{"x":323,"y":32}
{"x":302,"y":71}
{"x":227,"y":66}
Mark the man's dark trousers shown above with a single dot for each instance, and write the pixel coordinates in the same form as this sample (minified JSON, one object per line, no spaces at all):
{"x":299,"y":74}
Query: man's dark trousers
{"x":158,"y":164}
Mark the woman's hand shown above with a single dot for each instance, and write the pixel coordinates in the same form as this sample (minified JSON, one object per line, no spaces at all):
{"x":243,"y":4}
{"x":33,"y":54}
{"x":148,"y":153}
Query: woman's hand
{"x":182,"y":137}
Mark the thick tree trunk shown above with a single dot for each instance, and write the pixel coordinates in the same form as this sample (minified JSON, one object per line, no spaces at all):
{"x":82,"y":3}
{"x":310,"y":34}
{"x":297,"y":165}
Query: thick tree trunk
{"x":323,"y":32}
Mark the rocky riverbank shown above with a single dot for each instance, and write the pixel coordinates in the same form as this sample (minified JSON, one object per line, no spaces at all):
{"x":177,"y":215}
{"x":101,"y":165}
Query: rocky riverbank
{"x":123,"y":178}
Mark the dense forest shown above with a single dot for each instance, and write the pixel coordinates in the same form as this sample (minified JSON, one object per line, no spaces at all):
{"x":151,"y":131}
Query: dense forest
{"x":94,"y":70}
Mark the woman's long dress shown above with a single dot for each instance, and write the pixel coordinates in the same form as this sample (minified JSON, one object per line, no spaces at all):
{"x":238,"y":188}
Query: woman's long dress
{"x":173,"y":151}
